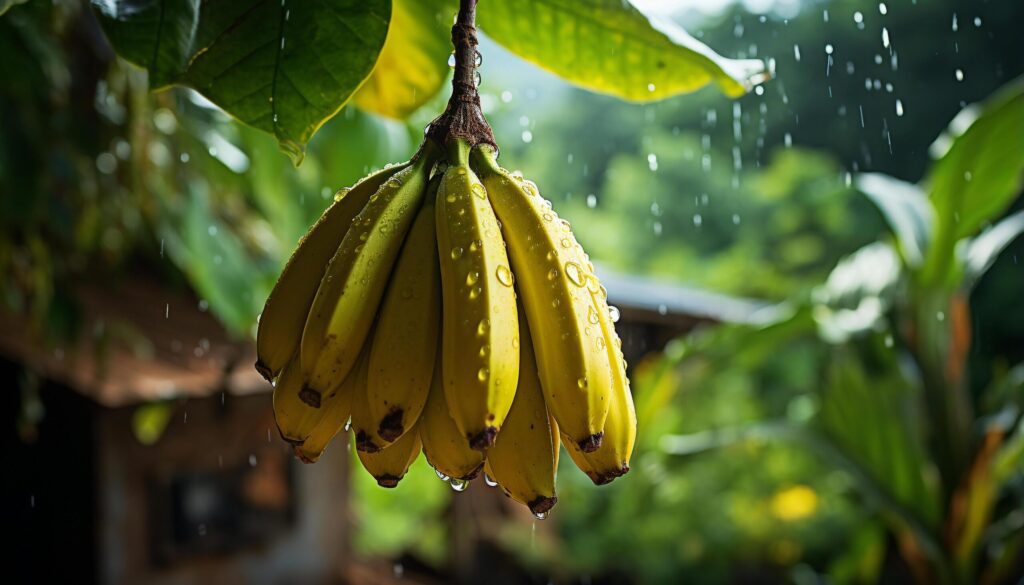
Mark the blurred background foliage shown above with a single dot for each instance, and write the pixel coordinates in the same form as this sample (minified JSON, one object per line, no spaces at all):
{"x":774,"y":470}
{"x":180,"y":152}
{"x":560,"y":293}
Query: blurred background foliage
{"x":872,"y":431}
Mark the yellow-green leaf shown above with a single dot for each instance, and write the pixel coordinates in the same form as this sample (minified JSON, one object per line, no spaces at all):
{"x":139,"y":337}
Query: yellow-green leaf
{"x":611,"y":47}
{"x":413,"y":65}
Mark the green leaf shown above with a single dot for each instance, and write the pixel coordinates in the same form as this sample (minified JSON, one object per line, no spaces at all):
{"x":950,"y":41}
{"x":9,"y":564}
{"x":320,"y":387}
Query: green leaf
{"x":858,"y":293}
{"x":890,"y":449}
{"x":6,"y":5}
{"x":905,"y":208}
{"x":215,"y":261}
{"x":283,"y":67}
{"x":413,"y":65}
{"x":983,"y":250}
{"x":978,"y":177}
{"x":611,"y":47}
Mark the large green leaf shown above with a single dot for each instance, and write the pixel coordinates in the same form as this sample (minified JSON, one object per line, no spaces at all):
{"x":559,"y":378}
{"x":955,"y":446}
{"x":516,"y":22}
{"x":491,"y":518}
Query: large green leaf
{"x":413,"y":65}
{"x":858,"y":293}
{"x":609,"y":46}
{"x":906,"y":209}
{"x":873,"y":420}
{"x":283,"y":67}
{"x":982,"y":251}
{"x":978,"y":177}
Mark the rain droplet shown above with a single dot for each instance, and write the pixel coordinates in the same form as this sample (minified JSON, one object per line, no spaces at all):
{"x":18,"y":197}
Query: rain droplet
{"x":575,"y":274}
{"x":451,"y":59}
{"x":553,"y":274}
{"x":614,"y":312}
{"x":531,"y":188}
{"x":592,"y":316}
{"x":582,"y":383}
{"x":482,"y":374}
{"x":441,"y":476}
{"x":348,"y":424}
{"x":341,"y":194}
{"x":472,"y":278}
{"x":899,"y":108}
{"x":566,"y":243}
{"x":540,"y":515}
{"x":959,"y":74}
{"x":479,"y":191}
{"x":477,"y":78}
{"x":504,"y":275}
{"x":490,"y":482}
{"x":478,"y":59}
{"x":458,"y":485}
{"x":457,"y":252}
{"x":475,"y":293}
{"x":483,"y":327}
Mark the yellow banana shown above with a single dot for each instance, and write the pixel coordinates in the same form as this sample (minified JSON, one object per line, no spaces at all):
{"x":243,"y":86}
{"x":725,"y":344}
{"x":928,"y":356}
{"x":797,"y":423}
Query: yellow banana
{"x":405,"y":341}
{"x":388,"y":465}
{"x":294,"y":417}
{"x":284,"y":314}
{"x":611,"y":459}
{"x":443,"y":445}
{"x":524,"y":457}
{"x":354,"y":282}
{"x":336,"y":413}
{"x":364,"y":426}
{"x":551,"y":269}
{"x":480,"y":329}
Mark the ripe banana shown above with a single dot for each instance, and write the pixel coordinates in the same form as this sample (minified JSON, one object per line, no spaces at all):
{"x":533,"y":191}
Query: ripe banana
{"x":443,"y":445}
{"x":414,"y":257}
{"x":552,"y":277}
{"x":354,"y":282}
{"x":405,"y":343}
{"x":524,"y":457}
{"x":295,"y":418}
{"x":284,"y":314}
{"x":364,"y":427}
{"x":611,"y":460}
{"x":388,"y":465}
{"x":480,"y":350}
{"x":335,"y":415}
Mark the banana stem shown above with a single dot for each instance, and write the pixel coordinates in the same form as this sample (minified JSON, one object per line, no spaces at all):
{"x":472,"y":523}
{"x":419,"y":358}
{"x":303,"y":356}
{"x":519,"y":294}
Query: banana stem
{"x":463,"y":119}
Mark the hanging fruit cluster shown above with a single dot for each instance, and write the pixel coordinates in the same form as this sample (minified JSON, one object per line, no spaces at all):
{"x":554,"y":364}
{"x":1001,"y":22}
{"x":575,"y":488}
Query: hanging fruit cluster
{"x":440,"y":305}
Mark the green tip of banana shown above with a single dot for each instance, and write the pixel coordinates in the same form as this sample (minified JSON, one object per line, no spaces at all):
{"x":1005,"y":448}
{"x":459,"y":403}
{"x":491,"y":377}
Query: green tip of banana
{"x":443,"y":306}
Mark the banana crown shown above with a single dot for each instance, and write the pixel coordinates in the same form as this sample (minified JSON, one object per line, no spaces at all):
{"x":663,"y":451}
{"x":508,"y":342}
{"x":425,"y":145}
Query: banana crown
{"x":443,"y":306}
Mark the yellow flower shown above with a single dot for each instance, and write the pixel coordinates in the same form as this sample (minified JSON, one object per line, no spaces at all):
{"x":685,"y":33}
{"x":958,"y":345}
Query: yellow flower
{"x":794,"y":503}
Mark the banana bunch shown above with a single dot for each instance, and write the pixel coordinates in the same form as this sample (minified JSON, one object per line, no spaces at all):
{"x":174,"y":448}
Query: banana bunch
{"x":440,"y":305}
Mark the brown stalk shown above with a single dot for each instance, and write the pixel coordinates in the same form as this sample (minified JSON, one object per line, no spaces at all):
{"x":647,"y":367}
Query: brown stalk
{"x":463,"y":119}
